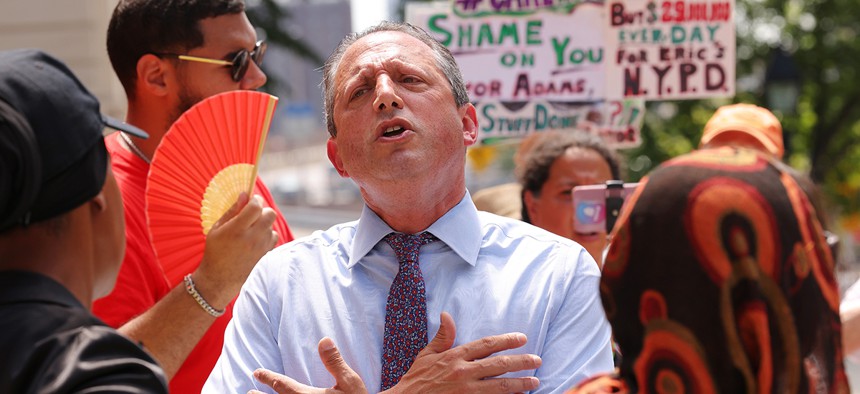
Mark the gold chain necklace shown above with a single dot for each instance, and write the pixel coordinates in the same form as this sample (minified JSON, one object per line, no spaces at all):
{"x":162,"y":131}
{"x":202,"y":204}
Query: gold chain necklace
{"x":134,"y":148}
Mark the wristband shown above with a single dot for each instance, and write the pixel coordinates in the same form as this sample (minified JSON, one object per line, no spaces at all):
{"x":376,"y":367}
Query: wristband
{"x":189,"y":286}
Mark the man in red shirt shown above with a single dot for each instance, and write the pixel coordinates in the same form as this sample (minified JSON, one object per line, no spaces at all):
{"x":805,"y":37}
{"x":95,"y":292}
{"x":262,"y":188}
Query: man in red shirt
{"x":181,"y":324}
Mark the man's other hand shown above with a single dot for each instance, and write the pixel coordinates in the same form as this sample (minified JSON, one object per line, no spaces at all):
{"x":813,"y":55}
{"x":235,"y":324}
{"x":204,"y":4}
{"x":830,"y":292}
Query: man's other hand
{"x":346,"y":380}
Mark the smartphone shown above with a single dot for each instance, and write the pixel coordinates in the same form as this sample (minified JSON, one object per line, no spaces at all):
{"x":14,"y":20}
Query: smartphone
{"x":596,"y":207}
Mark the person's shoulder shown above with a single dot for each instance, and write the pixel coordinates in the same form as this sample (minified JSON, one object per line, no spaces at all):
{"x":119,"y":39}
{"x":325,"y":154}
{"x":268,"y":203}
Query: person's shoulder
{"x":492,"y":224}
{"x":336,"y":239}
{"x":121,"y":362}
{"x":532,"y":243}
{"x":501,"y":199}
{"x":341,"y":233}
{"x":319,"y":253}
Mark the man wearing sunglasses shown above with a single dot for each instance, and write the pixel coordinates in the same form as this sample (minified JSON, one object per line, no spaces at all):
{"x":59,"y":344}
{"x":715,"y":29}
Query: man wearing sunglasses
{"x":169,"y":55}
{"x":238,"y":65}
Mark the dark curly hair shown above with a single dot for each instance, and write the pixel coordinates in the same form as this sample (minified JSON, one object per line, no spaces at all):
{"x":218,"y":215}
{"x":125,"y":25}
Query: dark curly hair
{"x":550,"y":147}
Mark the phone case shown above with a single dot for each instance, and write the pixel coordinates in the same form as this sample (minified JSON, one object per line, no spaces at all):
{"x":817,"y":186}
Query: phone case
{"x":589,"y":206}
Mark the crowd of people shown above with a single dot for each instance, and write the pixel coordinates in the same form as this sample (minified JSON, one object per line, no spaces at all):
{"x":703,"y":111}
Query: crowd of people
{"x":717,"y":277}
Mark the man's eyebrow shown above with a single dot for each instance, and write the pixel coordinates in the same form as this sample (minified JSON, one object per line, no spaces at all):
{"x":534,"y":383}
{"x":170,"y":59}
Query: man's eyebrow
{"x":231,"y":55}
{"x":356,"y":77}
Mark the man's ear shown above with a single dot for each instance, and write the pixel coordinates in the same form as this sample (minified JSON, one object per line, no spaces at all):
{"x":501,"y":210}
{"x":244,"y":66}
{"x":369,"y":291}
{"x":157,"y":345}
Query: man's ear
{"x":152,"y":74}
{"x":530,"y":202}
{"x":334,"y":157}
{"x":99,"y":202}
{"x":470,"y":124}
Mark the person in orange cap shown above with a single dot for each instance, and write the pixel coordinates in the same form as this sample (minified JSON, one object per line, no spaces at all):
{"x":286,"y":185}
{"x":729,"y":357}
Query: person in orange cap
{"x":744,"y":125}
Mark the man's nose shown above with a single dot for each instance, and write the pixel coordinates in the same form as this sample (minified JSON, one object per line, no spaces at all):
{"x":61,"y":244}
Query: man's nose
{"x":254,"y":78}
{"x":386,"y":94}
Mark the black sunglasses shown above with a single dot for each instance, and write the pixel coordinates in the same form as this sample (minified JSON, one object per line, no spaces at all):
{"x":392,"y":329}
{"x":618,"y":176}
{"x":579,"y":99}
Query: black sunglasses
{"x":239,"y":64}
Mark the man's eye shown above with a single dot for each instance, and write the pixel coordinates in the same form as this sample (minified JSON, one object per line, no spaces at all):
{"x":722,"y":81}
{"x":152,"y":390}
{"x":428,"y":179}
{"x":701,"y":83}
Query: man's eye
{"x":358,"y":92}
{"x":410,"y":79}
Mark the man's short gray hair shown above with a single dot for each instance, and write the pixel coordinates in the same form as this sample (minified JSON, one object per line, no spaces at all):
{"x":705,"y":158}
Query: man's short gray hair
{"x":444,"y":59}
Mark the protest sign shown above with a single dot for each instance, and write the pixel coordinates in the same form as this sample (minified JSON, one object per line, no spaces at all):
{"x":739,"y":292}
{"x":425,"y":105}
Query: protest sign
{"x":520,"y":51}
{"x":617,"y":122}
{"x":528,"y":71}
{"x":669,"y":50}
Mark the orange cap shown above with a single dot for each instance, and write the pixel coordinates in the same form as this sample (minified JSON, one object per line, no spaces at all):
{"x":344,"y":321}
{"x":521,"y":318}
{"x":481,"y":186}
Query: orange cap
{"x":744,"y":124}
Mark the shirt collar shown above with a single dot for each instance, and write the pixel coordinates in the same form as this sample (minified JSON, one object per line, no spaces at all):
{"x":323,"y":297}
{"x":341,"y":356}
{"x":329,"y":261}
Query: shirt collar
{"x":459,"y":228}
{"x":20,"y":286}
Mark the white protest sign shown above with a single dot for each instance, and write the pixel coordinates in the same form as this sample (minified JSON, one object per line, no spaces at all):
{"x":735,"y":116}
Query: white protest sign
{"x":617,"y":122}
{"x":669,"y":50}
{"x":521,"y":54}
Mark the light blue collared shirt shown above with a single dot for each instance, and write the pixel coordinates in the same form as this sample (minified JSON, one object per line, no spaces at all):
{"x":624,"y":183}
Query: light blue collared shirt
{"x":494,"y":275}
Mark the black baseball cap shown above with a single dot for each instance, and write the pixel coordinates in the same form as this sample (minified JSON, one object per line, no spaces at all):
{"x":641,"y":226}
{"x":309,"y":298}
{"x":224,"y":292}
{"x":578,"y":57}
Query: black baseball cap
{"x":52,"y":151}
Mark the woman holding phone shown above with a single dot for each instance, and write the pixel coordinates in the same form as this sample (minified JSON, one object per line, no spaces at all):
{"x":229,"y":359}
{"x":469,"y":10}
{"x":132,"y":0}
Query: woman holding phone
{"x":554,"y":165}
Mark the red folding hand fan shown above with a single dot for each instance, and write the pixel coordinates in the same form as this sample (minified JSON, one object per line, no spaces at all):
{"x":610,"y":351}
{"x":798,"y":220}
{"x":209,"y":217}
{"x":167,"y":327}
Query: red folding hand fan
{"x":207,"y":158}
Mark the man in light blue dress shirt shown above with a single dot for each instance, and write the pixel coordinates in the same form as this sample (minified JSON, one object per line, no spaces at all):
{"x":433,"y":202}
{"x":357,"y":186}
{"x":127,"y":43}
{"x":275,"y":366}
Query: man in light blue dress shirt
{"x":400,"y":121}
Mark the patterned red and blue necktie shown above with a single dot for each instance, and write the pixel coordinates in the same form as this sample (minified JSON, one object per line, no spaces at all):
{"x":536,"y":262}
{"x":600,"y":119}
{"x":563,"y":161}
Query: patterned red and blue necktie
{"x":406,"y":309}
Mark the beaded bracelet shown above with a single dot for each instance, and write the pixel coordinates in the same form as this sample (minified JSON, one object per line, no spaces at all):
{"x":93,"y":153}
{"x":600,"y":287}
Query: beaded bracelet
{"x":189,"y":286}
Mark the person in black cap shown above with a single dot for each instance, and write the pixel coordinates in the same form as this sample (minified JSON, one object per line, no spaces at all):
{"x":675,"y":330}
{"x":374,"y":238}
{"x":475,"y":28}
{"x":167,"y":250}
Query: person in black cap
{"x":61,"y":237}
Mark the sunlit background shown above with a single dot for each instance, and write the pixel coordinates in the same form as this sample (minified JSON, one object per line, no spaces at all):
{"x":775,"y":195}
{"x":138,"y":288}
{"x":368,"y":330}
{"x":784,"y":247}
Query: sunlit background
{"x":797,"y":57}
